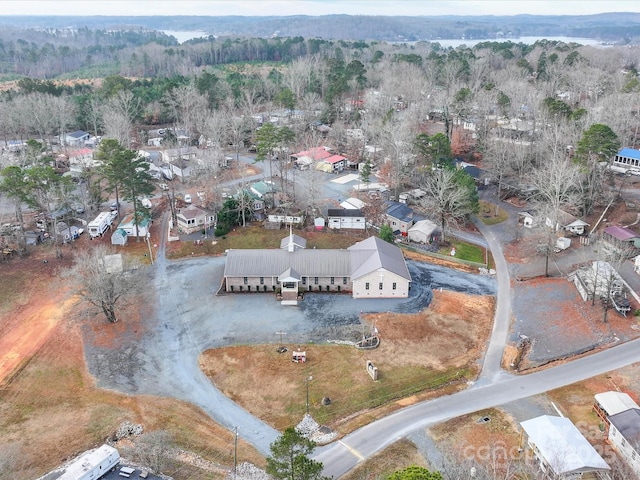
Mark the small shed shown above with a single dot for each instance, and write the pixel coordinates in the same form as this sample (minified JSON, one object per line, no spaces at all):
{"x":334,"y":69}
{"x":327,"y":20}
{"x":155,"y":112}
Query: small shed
{"x":527,"y":219}
{"x":423,"y":231}
{"x":318,"y":223}
{"x":119,"y":237}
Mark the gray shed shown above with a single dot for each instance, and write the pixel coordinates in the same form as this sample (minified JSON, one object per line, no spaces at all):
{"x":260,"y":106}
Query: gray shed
{"x":119,"y":237}
{"x":423,"y":231}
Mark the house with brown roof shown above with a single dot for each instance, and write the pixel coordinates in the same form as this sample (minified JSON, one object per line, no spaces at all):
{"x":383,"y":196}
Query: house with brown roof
{"x":192,"y":218}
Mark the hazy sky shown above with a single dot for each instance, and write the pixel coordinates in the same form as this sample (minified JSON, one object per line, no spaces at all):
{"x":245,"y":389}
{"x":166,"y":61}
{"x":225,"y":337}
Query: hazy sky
{"x":314,"y":7}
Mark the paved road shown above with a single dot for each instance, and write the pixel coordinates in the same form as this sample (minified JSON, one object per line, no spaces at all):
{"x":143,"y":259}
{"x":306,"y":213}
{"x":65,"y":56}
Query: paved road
{"x":340,"y":457}
{"x":493,"y":388}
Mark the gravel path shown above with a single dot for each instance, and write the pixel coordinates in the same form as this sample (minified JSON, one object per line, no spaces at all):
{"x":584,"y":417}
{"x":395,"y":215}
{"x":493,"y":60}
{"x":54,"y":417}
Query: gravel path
{"x":191,"y":318}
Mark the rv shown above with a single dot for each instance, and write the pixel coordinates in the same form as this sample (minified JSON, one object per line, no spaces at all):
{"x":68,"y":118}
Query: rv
{"x":100,"y":224}
{"x":91,"y":465}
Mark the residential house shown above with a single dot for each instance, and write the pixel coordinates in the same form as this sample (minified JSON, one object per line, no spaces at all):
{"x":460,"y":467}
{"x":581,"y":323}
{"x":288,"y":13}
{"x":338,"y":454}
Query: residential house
{"x":399,"y":216}
{"x":560,"y":448}
{"x":566,"y":221}
{"x":624,"y":435}
{"x":75,"y":139}
{"x":193,"y":219}
{"x":343,"y":218}
{"x":621,"y":238}
{"x":128,"y":224}
{"x":332,"y":164}
{"x":306,"y":158}
{"x":175,"y":155}
{"x":82,"y":159}
{"x":370,"y":268}
{"x":423,"y":231}
{"x":627,"y":160}
{"x":611,"y":403}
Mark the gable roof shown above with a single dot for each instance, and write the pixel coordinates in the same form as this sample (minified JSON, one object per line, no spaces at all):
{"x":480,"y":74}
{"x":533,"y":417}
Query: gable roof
{"x":271,"y":262}
{"x":289,"y":275}
{"x":294,"y":240}
{"x":191,"y":212}
{"x":562,"y":445}
{"x":621,"y":233}
{"x":78,"y":134}
{"x":373,"y":254}
{"x":425,"y":226}
{"x":315,"y":153}
{"x":335,"y":159}
{"x":399,"y":210}
{"x":628,"y":424}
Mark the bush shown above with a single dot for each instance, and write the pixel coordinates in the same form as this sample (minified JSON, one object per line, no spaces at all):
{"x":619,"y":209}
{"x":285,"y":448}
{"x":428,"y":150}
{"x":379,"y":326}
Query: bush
{"x":221,"y":230}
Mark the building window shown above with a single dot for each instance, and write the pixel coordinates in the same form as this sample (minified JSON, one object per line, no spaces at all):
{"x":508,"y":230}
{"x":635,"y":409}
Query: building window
{"x":261,"y":280}
{"x":366,"y":286}
{"x":315,"y":280}
{"x":332,"y":280}
{"x":380,"y":286}
{"x":344,"y":280}
{"x":304,"y":280}
{"x":245,"y":280}
{"x":393,"y":285}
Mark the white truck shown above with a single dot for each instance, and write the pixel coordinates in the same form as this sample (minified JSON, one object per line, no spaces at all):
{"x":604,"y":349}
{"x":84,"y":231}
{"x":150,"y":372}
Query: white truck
{"x":100,"y":224}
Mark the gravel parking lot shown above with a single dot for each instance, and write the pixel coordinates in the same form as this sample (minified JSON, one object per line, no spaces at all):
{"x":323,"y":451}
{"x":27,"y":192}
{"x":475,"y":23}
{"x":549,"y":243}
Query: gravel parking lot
{"x":190,"y":318}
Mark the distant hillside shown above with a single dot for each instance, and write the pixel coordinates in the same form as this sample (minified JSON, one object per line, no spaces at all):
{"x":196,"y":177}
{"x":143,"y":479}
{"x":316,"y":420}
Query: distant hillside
{"x":610,"y":27}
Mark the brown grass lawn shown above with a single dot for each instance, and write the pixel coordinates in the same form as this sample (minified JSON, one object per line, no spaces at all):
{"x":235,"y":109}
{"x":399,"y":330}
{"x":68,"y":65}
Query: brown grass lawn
{"x":256,"y":236}
{"x":418,"y":353}
{"x":397,"y":456}
{"x":50,"y":409}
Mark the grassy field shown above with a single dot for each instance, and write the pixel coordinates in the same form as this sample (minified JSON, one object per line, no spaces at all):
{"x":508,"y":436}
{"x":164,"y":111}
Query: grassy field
{"x":436,"y":349}
{"x":255,"y":236}
{"x":465,"y":251}
{"x":490,"y":214}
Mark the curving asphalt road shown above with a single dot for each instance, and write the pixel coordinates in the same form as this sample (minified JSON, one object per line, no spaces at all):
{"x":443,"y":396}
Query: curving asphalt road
{"x":493,"y":388}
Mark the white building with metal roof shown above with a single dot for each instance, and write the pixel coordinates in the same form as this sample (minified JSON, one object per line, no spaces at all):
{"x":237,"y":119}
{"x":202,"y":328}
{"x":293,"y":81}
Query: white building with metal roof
{"x":560,"y":447}
{"x":371,"y":268}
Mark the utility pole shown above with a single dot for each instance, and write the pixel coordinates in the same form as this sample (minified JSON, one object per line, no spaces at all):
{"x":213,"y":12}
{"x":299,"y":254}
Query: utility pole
{"x":307,"y":380}
{"x":235,"y":454}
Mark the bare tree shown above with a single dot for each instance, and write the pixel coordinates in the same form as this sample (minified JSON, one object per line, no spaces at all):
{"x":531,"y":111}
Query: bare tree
{"x":153,"y":449}
{"x":119,"y":114}
{"x":103,"y":285}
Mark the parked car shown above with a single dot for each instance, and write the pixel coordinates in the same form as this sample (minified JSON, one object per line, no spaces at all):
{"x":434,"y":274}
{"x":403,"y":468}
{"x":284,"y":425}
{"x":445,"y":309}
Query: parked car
{"x":115,"y":206}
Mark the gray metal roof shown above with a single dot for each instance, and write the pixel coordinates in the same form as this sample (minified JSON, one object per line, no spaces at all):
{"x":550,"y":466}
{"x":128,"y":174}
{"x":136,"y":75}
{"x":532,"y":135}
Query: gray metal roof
{"x":296,"y":240}
{"x":374,"y":253}
{"x":364,"y":257}
{"x":266,"y":263}
{"x":628,"y":424}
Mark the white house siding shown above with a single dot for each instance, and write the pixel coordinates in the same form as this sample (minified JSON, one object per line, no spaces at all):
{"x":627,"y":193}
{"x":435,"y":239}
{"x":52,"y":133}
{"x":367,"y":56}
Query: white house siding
{"x":387,"y":279}
{"x":631,"y":456}
{"x":354,"y":223}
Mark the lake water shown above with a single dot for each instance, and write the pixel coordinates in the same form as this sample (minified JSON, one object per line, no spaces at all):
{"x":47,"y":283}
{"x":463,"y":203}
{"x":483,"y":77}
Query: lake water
{"x":456,"y":42}
{"x":183,"y":36}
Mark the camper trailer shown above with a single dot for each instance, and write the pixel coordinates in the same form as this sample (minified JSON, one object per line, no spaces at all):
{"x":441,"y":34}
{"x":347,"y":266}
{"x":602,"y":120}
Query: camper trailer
{"x":99,"y":225}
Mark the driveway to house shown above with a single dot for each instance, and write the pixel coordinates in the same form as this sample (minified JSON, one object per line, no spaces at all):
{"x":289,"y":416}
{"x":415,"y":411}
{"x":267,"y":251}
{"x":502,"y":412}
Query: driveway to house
{"x":188,"y":318}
